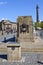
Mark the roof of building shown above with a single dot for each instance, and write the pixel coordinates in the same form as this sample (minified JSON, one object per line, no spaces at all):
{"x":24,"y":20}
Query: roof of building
{"x":8,"y":21}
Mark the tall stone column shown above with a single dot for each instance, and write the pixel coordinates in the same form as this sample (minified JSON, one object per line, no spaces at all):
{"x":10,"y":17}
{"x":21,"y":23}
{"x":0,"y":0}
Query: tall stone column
{"x":37,"y":13}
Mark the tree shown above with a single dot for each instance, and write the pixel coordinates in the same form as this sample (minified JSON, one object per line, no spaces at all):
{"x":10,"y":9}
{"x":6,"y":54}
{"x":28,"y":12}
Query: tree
{"x":42,"y":25}
{"x":37,"y":24}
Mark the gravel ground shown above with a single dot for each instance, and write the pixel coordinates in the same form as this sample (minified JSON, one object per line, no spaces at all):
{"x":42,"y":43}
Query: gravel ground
{"x":30,"y":58}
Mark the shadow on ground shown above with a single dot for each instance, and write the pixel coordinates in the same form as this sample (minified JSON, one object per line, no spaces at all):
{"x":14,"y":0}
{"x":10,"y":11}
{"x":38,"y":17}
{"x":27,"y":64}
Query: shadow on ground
{"x":40,"y":62}
{"x":9,"y":40}
{"x":3,"y":56}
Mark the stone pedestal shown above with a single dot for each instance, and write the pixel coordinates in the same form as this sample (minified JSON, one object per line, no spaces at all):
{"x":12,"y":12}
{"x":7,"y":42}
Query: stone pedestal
{"x":14,"y":52}
{"x":25,"y":29}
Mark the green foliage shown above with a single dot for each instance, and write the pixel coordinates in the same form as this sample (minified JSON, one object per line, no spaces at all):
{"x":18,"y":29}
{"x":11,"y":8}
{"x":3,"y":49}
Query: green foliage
{"x":42,"y":25}
{"x":38,"y":24}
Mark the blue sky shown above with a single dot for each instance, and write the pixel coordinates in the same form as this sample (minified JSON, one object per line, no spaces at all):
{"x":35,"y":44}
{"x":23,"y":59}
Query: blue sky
{"x":11,"y":9}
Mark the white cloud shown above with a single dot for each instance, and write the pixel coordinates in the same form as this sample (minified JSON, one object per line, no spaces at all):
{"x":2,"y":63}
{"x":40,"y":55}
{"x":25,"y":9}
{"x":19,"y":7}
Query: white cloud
{"x":2,"y":18}
{"x":2,"y":3}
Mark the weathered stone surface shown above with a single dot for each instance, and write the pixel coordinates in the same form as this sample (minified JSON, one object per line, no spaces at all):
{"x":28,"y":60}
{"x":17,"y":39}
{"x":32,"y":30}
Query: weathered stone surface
{"x":14,"y":52}
{"x":25,"y":29}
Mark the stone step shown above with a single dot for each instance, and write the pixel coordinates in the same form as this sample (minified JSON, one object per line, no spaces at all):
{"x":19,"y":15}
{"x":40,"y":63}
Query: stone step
{"x":32,"y":49}
{"x":3,"y":50}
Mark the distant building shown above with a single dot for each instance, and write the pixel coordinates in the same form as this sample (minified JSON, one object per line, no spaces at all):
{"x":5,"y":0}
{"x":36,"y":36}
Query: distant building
{"x":7,"y":25}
